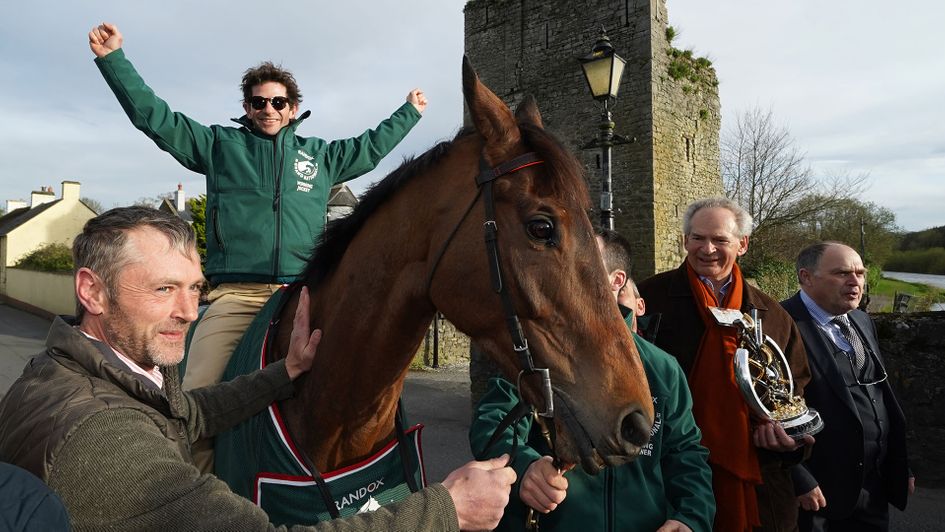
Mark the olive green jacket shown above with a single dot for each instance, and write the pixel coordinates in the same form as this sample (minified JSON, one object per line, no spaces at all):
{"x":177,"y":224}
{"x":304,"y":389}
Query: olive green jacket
{"x":116,"y":448}
{"x":267,"y":196}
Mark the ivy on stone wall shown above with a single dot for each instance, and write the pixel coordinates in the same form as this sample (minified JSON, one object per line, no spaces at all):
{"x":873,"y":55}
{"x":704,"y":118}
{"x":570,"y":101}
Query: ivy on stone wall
{"x":695,"y":70}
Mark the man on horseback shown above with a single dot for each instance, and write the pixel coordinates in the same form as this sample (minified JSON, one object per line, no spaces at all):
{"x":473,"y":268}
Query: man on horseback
{"x":100,"y":415}
{"x":267,"y":189}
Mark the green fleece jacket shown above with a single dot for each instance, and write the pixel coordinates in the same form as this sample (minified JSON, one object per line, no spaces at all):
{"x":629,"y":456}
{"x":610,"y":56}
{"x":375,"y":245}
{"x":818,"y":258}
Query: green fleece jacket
{"x":116,"y":448}
{"x":669,"y":480}
{"x":267,"y":196}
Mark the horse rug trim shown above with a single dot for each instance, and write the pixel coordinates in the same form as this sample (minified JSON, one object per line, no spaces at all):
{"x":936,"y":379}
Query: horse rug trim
{"x":260,"y":461}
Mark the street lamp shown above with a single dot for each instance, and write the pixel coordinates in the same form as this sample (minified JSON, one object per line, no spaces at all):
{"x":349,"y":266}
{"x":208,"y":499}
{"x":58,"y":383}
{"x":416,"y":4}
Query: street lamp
{"x":603,"y":69}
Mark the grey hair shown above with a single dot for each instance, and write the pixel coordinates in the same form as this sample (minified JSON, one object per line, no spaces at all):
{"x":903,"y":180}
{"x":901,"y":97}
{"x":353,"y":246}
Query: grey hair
{"x":102,"y":245}
{"x":743,"y":220}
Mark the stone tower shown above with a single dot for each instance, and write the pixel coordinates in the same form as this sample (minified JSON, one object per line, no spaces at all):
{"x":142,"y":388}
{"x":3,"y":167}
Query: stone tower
{"x":668,"y":105}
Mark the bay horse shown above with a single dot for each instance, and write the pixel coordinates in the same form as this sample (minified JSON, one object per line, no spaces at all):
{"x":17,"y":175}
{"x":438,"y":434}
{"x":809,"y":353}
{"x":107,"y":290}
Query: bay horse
{"x":415,"y":245}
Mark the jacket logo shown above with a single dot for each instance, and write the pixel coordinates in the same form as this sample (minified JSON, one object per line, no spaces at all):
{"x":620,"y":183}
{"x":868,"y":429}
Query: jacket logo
{"x":647,"y":450}
{"x":305,"y":168}
{"x":358,"y":494}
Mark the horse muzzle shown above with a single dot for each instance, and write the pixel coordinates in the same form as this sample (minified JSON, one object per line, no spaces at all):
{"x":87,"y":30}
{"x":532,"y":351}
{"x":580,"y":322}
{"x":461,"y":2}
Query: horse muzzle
{"x":577,"y":443}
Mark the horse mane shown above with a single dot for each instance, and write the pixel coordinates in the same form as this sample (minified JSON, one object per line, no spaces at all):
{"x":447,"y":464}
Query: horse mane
{"x":561,"y":165}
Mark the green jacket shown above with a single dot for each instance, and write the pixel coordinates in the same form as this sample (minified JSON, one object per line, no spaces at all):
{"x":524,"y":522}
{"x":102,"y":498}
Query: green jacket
{"x":669,"y":480}
{"x":267,"y":197}
{"x":116,"y":448}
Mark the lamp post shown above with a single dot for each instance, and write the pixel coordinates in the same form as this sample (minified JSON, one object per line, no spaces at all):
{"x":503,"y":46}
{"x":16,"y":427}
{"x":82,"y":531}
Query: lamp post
{"x":603,"y":69}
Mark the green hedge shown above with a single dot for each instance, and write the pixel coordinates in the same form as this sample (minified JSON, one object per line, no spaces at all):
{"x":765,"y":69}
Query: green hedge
{"x":931,"y":260}
{"x":49,"y":258}
{"x":775,"y":278}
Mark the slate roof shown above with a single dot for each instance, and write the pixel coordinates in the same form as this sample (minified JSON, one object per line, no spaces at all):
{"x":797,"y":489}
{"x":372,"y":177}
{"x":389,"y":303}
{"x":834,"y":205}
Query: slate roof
{"x":18,"y":217}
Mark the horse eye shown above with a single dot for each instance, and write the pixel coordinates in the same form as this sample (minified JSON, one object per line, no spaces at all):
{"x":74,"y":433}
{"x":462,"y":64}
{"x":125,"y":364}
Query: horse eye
{"x":541,"y":229}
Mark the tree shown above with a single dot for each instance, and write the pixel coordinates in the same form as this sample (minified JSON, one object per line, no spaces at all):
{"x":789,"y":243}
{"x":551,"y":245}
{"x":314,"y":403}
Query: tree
{"x":153,"y":201}
{"x":94,"y":204}
{"x":198,"y":215}
{"x":919,"y":240}
{"x":765,"y":172}
{"x":857,"y":224}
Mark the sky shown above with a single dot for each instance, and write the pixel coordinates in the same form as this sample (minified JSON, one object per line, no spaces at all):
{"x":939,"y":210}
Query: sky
{"x":857,"y":83}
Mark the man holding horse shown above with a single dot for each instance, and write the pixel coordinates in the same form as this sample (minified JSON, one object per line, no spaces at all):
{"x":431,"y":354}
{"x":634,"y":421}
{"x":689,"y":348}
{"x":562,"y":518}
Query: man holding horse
{"x":669,"y":483}
{"x":101,"y":418}
{"x":750,"y":460}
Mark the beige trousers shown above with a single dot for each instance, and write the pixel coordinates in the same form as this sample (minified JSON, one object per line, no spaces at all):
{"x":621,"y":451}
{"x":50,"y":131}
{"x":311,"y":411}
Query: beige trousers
{"x":232,"y":308}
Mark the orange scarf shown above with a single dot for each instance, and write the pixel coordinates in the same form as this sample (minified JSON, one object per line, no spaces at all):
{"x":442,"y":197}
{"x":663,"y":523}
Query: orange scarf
{"x":721,"y":412}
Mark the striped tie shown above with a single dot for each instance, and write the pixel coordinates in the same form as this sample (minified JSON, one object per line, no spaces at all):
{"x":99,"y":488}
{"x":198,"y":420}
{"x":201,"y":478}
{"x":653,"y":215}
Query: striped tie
{"x":852,"y":338}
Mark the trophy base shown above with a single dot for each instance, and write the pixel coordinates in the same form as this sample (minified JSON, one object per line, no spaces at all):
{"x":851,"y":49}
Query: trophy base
{"x":807,"y":423}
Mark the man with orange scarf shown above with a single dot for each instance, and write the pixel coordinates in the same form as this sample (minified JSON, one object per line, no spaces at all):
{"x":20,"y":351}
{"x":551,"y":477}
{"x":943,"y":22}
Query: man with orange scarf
{"x":750,"y":458}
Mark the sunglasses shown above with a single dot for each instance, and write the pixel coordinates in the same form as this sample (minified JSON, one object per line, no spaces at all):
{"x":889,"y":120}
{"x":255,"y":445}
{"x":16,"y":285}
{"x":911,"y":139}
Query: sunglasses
{"x":259,"y":103}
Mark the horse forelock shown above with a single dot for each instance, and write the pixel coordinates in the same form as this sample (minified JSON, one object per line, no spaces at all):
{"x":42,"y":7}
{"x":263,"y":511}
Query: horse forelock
{"x":563,"y":175}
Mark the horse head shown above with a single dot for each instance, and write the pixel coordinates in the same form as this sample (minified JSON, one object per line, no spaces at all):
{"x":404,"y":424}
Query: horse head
{"x":415,"y":244}
{"x":547,"y":261}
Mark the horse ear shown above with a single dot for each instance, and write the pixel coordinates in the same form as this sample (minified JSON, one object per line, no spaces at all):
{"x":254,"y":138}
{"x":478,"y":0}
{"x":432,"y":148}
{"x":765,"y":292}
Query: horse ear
{"x":527,"y":112}
{"x":491,"y":117}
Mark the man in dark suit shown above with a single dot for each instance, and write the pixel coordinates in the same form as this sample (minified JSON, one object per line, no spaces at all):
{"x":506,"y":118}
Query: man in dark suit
{"x":858,"y":466}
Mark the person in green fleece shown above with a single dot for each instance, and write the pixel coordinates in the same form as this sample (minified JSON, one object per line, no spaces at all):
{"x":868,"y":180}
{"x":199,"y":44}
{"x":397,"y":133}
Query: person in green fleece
{"x":267,"y":190}
{"x":667,"y":488}
{"x":100,"y":416}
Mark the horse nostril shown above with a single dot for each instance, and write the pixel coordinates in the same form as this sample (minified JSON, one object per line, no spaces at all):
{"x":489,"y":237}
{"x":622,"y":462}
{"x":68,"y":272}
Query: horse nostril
{"x":635,"y":428}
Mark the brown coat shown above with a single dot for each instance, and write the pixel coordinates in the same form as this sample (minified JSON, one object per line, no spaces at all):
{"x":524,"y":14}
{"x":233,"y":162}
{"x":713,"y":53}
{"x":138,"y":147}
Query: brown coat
{"x":680,"y":332}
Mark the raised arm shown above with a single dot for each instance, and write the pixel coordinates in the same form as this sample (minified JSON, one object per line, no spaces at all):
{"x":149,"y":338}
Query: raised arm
{"x":104,"y":39}
{"x":418,"y":99}
{"x":188,"y":141}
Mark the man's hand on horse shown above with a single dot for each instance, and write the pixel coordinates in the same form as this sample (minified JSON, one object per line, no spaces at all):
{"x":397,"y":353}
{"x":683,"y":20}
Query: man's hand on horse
{"x":104,"y":39}
{"x":543,"y":485}
{"x":480,"y":491}
{"x":302,"y":344}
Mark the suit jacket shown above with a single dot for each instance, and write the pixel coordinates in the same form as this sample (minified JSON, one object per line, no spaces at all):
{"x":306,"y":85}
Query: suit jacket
{"x":680,"y":333}
{"x":836,"y":462}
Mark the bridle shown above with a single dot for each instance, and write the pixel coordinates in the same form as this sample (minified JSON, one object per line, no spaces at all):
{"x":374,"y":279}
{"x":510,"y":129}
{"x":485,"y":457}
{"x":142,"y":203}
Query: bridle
{"x":484,"y":182}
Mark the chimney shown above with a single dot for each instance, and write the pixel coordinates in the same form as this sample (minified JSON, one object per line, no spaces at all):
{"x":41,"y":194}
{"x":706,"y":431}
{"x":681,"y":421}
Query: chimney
{"x":70,"y":190}
{"x":179,"y":198}
{"x":41,"y":196}
{"x":13,"y":205}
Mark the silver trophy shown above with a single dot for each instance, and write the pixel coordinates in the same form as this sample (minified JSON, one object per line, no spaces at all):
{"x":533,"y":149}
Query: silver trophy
{"x":764,"y":376}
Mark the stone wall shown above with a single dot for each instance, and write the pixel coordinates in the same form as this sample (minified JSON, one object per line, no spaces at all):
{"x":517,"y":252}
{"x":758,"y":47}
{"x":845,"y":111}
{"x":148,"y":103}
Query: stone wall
{"x":913,"y":346}
{"x":452,"y":346}
{"x":531,"y":47}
